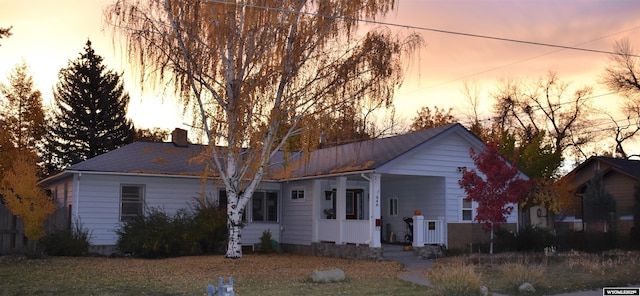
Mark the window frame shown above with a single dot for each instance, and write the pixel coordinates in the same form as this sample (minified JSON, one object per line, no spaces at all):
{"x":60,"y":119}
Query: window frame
{"x":141,"y":201}
{"x":266,"y":209}
{"x":463,"y":209}
{"x":295,"y":193}
{"x":393,"y":207}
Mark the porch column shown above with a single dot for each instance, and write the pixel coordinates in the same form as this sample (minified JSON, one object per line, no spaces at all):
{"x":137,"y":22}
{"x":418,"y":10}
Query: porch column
{"x":341,"y":205}
{"x":418,"y":231}
{"x":375,"y":223}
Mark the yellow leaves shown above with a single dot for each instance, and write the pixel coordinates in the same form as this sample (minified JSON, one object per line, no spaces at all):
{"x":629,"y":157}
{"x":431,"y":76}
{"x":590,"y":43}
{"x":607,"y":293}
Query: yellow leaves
{"x":25,"y":198}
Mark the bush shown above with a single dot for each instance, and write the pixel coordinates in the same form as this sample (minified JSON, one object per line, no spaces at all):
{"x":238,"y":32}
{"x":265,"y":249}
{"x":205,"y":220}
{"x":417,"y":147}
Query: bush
{"x":458,"y":280}
{"x":516,"y":274}
{"x":530,"y":238}
{"x":74,"y":242}
{"x":265,"y":242}
{"x":593,"y":242}
{"x":159,"y":235}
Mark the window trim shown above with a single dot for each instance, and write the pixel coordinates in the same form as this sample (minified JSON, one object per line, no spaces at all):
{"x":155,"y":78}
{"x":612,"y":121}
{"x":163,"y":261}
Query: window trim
{"x":393,"y":207}
{"x":463,"y":209}
{"x":142,"y":191}
{"x":297,"y":191}
{"x":265,"y":207}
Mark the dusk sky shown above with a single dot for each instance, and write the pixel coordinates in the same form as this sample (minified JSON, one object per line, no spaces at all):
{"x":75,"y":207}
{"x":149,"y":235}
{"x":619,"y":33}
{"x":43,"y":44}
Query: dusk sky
{"x":47,"y":34}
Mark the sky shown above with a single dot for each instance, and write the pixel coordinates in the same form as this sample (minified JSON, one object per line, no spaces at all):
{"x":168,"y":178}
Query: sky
{"x":48,"y":34}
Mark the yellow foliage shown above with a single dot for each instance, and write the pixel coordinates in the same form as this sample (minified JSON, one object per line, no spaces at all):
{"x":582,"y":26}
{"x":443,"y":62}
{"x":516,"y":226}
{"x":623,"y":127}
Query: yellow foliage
{"x":25,"y":198}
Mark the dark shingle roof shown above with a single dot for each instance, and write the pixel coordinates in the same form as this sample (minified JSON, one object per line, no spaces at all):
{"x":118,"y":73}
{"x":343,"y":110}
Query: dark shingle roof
{"x":147,"y":157}
{"x":168,"y":159}
{"x":626,"y":166}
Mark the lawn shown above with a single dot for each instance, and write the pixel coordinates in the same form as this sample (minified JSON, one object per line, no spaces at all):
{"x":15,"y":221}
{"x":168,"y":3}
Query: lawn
{"x":288,"y":274}
{"x":254,"y":274}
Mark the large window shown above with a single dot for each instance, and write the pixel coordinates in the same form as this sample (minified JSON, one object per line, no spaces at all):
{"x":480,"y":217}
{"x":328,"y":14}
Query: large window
{"x":264,"y":206}
{"x":131,"y":201}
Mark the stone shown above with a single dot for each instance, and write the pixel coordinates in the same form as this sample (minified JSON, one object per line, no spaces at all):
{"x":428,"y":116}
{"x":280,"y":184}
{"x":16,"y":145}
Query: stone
{"x":334,"y":275}
{"x":484,"y":291}
{"x":526,"y":288}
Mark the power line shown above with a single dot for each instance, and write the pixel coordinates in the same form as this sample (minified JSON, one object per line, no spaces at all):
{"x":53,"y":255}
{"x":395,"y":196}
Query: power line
{"x":419,"y":28}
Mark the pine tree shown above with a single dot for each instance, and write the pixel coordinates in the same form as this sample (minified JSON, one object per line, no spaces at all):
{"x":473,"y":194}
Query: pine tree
{"x":90,"y":112}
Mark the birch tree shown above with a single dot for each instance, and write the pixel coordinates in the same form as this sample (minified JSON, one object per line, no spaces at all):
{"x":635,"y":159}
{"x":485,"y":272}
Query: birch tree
{"x":255,"y":71}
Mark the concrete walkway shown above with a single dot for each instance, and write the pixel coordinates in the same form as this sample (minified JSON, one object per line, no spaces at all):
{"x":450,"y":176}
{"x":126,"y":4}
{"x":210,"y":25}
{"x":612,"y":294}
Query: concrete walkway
{"x":415,"y":267}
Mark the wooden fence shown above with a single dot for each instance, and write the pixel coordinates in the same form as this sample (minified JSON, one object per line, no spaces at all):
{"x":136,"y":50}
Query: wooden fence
{"x":12,"y":239}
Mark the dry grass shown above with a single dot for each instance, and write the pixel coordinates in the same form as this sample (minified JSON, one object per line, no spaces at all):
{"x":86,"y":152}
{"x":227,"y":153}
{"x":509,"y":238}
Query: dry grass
{"x":561,"y":273}
{"x":253,"y":275}
{"x":287,"y":274}
{"x":455,"y":280}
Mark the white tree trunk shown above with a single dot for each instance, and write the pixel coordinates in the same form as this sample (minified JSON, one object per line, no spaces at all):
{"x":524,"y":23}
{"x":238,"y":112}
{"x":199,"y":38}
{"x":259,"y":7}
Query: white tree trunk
{"x":234,"y":247}
{"x":234,"y":224}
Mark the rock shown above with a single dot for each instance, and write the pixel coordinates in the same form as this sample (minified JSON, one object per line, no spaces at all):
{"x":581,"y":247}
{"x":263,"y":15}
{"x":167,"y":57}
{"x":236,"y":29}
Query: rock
{"x":334,"y":275}
{"x":484,"y":291}
{"x":526,"y":288}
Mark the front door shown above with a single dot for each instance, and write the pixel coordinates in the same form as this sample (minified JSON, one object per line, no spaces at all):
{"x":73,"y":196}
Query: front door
{"x":354,"y":204}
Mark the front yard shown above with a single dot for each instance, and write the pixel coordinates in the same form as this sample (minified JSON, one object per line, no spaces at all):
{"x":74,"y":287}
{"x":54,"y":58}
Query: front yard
{"x":253,"y":275}
{"x":288,"y":274}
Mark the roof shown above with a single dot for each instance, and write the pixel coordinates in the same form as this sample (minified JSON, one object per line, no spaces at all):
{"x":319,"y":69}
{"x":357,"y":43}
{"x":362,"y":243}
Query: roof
{"x":168,"y":159}
{"x":625,"y":166}
{"x":147,"y":157}
{"x":365,"y":155}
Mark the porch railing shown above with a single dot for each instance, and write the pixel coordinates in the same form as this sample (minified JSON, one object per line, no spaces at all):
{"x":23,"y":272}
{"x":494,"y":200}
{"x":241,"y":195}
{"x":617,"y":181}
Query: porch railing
{"x":353,"y":231}
{"x":433,"y":232}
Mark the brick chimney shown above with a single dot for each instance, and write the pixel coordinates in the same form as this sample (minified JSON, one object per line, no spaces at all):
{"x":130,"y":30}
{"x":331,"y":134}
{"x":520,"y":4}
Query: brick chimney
{"x":179,"y":138}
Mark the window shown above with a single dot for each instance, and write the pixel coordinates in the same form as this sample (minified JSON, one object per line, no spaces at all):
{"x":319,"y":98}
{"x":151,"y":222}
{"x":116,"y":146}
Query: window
{"x":297,"y":194}
{"x":131,"y":201}
{"x":393,"y":207}
{"x":467,"y":210}
{"x":264,"y":206}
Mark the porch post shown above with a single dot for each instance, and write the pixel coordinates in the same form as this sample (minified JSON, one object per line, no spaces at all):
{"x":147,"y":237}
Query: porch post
{"x":341,"y":205}
{"x":375,"y":223}
{"x":418,"y":231}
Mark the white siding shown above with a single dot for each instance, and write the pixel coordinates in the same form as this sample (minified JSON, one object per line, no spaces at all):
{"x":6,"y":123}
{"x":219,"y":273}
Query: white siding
{"x":98,"y":203}
{"x":441,"y":158}
{"x":297,"y":214}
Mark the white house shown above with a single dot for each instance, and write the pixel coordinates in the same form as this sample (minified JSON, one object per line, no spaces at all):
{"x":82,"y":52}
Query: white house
{"x":340,"y":201}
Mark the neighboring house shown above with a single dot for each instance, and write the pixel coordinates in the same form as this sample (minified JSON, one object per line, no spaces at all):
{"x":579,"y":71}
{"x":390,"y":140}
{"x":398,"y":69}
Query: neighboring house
{"x":619,"y":176}
{"x":340,"y":201}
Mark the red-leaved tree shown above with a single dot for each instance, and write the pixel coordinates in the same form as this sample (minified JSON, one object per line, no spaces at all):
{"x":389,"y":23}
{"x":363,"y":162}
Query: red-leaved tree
{"x":496,"y":187}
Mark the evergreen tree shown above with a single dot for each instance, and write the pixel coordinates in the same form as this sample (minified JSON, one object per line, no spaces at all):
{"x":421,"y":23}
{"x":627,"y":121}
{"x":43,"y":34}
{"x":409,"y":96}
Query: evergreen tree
{"x":89,"y":113}
{"x":599,"y":205}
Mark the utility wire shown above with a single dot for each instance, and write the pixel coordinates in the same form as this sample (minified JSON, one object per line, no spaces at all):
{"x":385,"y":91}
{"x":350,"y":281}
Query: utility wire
{"x":419,"y":28}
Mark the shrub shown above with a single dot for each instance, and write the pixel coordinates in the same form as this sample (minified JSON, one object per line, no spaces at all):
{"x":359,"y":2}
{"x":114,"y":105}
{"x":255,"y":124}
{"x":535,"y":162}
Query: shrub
{"x":460,"y":280}
{"x":158,"y":235}
{"x":265,"y":242}
{"x":209,"y":226}
{"x":516,"y":274}
{"x":530,"y":238}
{"x":73,"y":242}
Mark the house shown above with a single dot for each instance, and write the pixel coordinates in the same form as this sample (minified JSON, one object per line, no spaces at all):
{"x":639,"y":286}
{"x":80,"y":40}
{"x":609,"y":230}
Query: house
{"x":619,"y":176}
{"x":339,"y":201}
